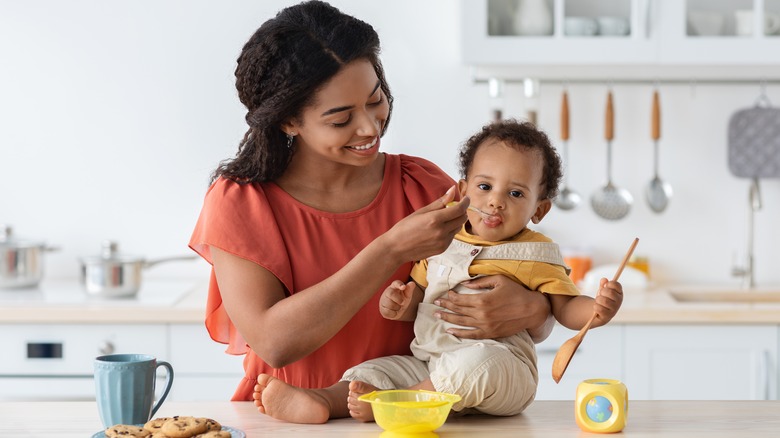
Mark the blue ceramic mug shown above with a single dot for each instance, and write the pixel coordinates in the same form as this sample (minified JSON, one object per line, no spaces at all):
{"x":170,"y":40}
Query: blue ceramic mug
{"x":125,"y":387}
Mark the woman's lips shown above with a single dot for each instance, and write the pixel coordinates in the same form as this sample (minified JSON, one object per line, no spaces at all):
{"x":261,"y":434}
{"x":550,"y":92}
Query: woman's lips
{"x":367,"y":148}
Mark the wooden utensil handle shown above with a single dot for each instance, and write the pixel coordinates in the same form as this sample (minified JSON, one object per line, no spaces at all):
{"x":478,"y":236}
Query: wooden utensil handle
{"x":609,"y":129}
{"x":656,"y":127}
{"x":565,"y":116}
{"x":625,"y":259}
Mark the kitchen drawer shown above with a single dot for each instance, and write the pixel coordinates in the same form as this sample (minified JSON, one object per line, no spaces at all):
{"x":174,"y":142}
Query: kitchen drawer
{"x":194,"y":352}
{"x":69,"y":349}
{"x":599,"y":356}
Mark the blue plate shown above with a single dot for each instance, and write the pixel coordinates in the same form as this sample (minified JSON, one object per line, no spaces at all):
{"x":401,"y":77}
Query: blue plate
{"x":234,"y":433}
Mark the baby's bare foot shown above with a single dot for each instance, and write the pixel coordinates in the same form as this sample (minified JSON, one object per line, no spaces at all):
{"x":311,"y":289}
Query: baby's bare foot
{"x":279,"y":400}
{"x":357,"y":409}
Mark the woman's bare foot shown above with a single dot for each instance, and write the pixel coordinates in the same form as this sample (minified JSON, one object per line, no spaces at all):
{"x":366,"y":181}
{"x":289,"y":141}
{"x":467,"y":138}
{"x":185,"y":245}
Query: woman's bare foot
{"x":360,"y":410}
{"x":279,"y":400}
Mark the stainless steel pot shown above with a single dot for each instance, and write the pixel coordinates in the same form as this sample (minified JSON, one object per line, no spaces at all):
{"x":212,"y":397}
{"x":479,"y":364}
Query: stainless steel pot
{"x":111,"y":274}
{"x":21,"y":260}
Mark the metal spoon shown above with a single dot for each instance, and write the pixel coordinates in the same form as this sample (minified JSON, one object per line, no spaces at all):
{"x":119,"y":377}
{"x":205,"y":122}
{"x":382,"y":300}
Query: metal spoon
{"x":567,"y":350}
{"x":657,"y":192}
{"x":472,"y":208}
{"x":567,"y":199}
{"x":611,"y":203}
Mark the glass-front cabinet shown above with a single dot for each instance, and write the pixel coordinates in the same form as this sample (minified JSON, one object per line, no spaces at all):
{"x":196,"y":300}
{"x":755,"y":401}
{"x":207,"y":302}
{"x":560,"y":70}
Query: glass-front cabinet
{"x":626,"y":32}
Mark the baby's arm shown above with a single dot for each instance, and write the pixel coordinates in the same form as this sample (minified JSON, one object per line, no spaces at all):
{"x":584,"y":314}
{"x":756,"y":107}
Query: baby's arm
{"x":574,"y":311}
{"x":399,"y":301}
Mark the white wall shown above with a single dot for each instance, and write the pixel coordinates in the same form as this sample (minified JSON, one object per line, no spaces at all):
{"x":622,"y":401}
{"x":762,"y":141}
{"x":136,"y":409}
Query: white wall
{"x":113,"y":114}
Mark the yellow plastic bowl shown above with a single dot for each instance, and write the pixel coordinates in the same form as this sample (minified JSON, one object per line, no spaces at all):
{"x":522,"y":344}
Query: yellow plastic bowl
{"x":410,"y":411}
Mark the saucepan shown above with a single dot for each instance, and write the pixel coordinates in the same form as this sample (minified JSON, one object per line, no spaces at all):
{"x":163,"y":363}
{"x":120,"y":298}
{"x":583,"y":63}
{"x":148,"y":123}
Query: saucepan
{"x":112,"y":274}
{"x":21,"y":260}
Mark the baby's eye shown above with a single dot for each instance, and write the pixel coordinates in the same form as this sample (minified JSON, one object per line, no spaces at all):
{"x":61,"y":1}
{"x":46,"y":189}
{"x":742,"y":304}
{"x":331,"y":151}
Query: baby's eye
{"x":516,"y":194}
{"x":483,"y":186}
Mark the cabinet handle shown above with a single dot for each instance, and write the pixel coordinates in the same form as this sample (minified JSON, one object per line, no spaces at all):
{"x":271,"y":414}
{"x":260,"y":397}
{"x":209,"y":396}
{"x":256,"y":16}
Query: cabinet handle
{"x":107,"y":348}
{"x":648,"y":20}
{"x":767,"y":362}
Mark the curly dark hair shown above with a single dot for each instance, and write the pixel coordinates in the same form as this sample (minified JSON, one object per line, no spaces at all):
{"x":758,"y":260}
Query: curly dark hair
{"x":287,"y":60}
{"x":521,"y":136}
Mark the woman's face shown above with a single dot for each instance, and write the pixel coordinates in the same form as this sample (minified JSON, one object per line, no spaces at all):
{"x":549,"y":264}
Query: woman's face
{"x":345,"y":120}
{"x":505,"y":183}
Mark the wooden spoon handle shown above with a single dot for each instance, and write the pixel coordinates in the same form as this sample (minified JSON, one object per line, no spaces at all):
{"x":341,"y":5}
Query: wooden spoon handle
{"x":609,"y":128}
{"x":565,"y":116}
{"x":656,"y":125}
{"x":625,"y":259}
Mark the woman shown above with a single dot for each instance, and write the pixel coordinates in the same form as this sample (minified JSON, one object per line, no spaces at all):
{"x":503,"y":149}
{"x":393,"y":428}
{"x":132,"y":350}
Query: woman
{"x":310,"y":222}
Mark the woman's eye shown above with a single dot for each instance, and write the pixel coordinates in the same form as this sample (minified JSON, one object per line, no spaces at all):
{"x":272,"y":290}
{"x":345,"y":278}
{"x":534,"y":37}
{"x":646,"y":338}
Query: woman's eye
{"x":378,"y":101}
{"x":342,"y":124}
{"x":483,"y":186}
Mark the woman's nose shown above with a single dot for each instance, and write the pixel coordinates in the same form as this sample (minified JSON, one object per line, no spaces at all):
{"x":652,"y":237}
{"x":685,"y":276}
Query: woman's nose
{"x":368,"y":124}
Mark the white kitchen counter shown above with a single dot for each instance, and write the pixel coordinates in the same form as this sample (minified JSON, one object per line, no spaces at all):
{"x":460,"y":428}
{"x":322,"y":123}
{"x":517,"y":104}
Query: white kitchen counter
{"x":182,"y":301}
{"x":670,"y":419}
{"x":63,"y":301}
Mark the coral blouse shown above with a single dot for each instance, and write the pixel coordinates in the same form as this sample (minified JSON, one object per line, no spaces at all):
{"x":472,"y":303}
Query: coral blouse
{"x":303,"y":246}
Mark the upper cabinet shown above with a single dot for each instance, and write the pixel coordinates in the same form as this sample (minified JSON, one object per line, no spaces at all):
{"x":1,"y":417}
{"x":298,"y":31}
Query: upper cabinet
{"x":547,"y":36}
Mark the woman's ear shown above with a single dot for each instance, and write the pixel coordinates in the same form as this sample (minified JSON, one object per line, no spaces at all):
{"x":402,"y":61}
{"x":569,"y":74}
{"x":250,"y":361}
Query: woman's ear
{"x":290,"y":127}
{"x":542,"y":209}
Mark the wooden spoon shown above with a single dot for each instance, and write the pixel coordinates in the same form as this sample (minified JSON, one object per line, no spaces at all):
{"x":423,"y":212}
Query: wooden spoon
{"x":567,"y":350}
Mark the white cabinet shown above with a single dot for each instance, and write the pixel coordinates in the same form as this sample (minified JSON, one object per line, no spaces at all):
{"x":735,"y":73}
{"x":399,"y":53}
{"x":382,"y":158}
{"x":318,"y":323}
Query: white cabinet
{"x":704,"y":362}
{"x":660,"y":33}
{"x":55,"y":361}
{"x":203,"y":370}
{"x":599,"y":356}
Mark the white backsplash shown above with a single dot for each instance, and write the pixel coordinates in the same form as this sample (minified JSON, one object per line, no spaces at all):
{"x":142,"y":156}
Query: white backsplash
{"x":115,"y":113}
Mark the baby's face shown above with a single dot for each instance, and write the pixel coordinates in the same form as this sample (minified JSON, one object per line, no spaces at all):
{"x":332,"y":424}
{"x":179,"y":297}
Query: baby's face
{"x":505,"y":183}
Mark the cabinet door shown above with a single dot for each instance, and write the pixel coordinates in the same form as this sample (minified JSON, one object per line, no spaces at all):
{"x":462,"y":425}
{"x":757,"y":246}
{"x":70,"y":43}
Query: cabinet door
{"x":719,"y":32}
{"x":599,"y":356}
{"x":203,"y":370}
{"x":491,"y":33}
{"x":701,"y":362}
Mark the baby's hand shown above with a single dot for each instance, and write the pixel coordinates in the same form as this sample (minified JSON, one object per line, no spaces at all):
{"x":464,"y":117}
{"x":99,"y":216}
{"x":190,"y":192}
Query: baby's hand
{"x":608,"y":300}
{"x":396,"y":299}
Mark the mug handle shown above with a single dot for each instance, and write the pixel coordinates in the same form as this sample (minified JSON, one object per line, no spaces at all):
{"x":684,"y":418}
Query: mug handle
{"x":168,"y":384}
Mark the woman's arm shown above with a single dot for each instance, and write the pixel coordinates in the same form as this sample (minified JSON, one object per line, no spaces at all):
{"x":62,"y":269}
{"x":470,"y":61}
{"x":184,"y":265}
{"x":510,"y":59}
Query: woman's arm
{"x":282,"y":329}
{"x":506,"y":309}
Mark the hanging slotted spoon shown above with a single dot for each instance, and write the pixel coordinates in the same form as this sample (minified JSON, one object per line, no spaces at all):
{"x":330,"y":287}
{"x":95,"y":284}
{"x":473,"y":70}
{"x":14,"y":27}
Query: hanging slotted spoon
{"x":567,"y":350}
{"x":611,"y":202}
{"x":567,"y":199}
{"x":657,"y":192}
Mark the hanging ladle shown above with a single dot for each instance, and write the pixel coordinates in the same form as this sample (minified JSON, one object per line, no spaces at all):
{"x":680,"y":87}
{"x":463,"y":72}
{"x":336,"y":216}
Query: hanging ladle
{"x":567,"y":199}
{"x":611,"y":202}
{"x":657,"y":192}
{"x":567,"y":350}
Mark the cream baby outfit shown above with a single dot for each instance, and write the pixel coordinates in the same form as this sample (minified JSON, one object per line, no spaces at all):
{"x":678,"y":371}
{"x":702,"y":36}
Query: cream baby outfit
{"x":493,"y":376}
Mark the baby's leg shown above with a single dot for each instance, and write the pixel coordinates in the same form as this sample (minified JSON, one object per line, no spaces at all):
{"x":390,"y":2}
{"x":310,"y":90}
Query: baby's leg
{"x":358,"y":410}
{"x":282,"y":401}
{"x":489,"y":378}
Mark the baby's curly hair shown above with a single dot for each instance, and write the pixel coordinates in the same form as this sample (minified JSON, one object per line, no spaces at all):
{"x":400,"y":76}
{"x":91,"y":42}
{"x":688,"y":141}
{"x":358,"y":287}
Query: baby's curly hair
{"x":521,"y":136}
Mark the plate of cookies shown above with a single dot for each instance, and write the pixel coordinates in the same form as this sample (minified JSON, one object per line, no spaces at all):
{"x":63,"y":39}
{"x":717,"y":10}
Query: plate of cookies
{"x":172,"y":427}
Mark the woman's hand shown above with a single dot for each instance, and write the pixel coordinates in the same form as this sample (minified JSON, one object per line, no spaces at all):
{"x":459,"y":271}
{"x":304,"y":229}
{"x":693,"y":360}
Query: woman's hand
{"x":426,"y":232}
{"x":505,"y":309}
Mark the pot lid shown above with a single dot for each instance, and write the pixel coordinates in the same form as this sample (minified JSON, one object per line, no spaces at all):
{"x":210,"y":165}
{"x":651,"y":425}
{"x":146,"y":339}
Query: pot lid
{"x":110,"y":253}
{"x":8,"y":240}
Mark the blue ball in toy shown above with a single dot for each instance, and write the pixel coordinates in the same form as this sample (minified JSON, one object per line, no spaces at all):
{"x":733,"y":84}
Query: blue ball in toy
{"x":599,"y":409}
